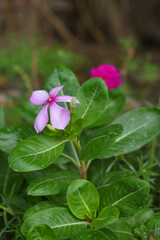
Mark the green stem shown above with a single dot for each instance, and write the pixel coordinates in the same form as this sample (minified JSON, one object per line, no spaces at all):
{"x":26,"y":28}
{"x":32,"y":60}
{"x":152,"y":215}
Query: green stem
{"x":84,"y":167}
{"x":8,"y":211}
{"x":75,"y":153}
{"x":88,"y":164}
{"x":74,"y":161}
{"x":77,"y":143}
{"x":83,"y":170}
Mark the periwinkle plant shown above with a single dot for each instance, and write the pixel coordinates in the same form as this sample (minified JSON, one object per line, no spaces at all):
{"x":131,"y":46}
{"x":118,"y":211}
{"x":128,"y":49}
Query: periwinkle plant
{"x":63,"y":156}
{"x":59,"y":116}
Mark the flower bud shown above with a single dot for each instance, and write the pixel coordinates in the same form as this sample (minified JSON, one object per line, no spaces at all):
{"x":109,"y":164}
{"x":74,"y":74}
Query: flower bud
{"x":73,"y":104}
{"x":51,"y":128}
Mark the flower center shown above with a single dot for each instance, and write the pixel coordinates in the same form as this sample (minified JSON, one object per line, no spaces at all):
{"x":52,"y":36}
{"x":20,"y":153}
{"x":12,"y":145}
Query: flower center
{"x":50,"y":100}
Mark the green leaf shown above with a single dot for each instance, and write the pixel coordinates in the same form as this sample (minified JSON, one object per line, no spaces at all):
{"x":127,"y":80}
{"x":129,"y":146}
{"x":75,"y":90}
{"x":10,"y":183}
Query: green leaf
{"x":10,"y":136}
{"x":99,"y":143}
{"x":28,"y":110}
{"x":76,"y":128}
{"x":43,"y":205}
{"x":10,"y":181}
{"x":140,"y":127}
{"x":114,"y":106}
{"x":41,"y":232}
{"x":110,"y":235}
{"x":51,"y":184}
{"x":93,"y":97}
{"x":121,"y":229}
{"x":64,"y":224}
{"x":2,"y":117}
{"x":107,"y":216}
{"x":35,"y":153}
{"x":61,"y":75}
{"x":31,"y":176}
{"x":83,"y":199}
{"x":141,"y":217}
{"x":126,"y":194}
{"x":91,"y":234}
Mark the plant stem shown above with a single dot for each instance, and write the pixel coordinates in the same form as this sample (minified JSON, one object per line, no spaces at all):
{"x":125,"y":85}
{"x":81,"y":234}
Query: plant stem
{"x":78,"y":145}
{"x":8,"y":211}
{"x":84,"y":167}
{"x":88,"y":164}
{"x":75,"y":153}
{"x":83,"y":170}
{"x":74,"y":161}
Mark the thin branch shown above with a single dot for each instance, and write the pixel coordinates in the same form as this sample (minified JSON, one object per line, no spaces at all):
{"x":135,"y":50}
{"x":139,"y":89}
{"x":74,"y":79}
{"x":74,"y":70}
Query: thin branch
{"x":55,"y":21}
{"x":88,"y":22}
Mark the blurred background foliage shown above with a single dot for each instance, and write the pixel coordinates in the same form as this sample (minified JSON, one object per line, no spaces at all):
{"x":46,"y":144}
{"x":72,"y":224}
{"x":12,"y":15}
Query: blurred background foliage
{"x":37,"y":34}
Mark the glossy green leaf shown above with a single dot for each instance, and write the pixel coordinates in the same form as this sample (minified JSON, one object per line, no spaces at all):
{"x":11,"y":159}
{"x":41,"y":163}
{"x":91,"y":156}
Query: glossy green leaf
{"x":93,"y":97}
{"x":99,"y":143}
{"x":121,"y":229}
{"x":64,"y":224}
{"x":110,"y":235}
{"x":10,"y":136}
{"x":41,"y":232}
{"x":140,"y":127}
{"x":114,"y":106}
{"x":61,"y":75}
{"x":76,"y":128}
{"x":51,"y":184}
{"x":2,"y":117}
{"x":35,"y":153}
{"x":31,"y":176}
{"x":107,"y":216}
{"x":83,"y":199}
{"x":40,"y":206}
{"x":91,"y":234}
{"x":126,"y":194}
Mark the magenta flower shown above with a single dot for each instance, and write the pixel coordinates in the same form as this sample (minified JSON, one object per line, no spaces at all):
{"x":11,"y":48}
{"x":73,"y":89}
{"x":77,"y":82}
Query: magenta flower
{"x":59,"y":116}
{"x":109,"y":73}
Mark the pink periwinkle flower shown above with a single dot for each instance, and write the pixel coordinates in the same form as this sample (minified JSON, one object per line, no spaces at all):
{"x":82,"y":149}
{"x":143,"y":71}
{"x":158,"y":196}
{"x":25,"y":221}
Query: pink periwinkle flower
{"x":59,"y":116}
{"x":109,"y":73}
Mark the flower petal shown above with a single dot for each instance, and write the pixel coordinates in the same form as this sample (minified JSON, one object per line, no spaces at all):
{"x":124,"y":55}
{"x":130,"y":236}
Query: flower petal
{"x":54,"y":91}
{"x":41,"y":119}
{"x":64,"y":98}
{"x":109,"y":73}
{"x":39,"y":97}
{"x":59,"y":116}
